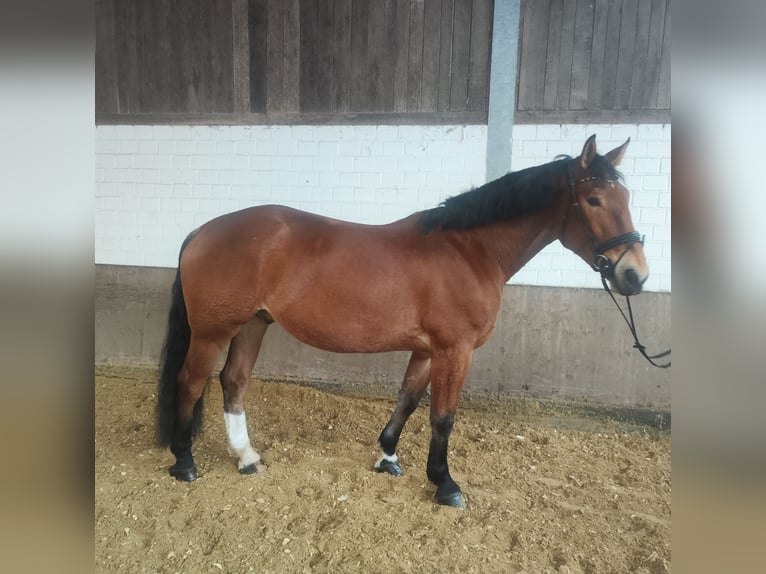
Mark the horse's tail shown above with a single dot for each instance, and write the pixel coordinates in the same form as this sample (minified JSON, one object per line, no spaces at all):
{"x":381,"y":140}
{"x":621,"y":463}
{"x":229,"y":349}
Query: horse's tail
{"x":172,"y":360}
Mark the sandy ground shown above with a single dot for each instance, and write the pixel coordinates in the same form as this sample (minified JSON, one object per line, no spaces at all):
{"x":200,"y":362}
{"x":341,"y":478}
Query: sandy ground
{"x":542,"y":497}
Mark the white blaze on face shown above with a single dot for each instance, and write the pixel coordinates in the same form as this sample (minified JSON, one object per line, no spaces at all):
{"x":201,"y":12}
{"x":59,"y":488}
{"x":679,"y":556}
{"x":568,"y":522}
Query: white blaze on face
{"x":239,"y":441}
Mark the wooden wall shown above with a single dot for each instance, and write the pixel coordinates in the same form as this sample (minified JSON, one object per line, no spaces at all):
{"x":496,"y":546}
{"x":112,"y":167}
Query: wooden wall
{"x":284,"y":61}
{"x":586,"y":61}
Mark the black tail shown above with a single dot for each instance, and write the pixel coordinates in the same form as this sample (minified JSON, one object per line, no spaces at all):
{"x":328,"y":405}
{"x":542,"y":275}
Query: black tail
{"x":171,"y":362}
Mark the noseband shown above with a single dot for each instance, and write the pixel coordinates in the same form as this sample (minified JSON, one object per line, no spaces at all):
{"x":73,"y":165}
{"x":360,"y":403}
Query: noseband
{"x":606,"y":267}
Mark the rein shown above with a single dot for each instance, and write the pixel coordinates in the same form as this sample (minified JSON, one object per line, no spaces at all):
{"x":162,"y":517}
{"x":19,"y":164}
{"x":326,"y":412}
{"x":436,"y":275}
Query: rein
{"x":605,"y":268}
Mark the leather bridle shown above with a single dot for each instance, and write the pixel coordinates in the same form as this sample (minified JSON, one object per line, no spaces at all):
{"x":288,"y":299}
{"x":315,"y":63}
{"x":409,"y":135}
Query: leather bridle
{"x":606,"y":267}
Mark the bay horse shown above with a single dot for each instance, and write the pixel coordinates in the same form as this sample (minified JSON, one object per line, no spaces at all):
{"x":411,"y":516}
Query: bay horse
{"x":430,"y":283}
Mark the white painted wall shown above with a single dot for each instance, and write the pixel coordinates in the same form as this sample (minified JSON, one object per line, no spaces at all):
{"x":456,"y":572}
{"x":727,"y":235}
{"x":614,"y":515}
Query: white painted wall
{"x":154,"y":184}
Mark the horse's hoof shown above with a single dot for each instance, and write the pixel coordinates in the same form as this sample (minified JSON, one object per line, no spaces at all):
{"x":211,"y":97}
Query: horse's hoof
{"x":454,"y":500}
{"x":253,"y":468}
{"x":187,"y":474}
{"x":390,"y":467}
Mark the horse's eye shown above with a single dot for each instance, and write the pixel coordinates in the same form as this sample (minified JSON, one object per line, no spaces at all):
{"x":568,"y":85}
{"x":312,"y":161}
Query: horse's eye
{"x":594,"y":201}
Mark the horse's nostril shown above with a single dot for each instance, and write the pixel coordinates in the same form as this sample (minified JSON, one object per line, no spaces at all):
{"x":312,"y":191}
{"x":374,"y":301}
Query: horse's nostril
{"x":632,"y":279}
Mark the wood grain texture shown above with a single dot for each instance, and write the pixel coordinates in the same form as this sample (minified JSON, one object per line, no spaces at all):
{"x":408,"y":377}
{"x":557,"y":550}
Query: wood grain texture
{"x":587,"y":60}
{"x":290,"y":58}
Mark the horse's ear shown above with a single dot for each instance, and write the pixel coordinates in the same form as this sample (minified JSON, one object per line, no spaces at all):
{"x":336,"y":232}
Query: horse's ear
{"x":588,"y":152}
{"x":615,"y":156}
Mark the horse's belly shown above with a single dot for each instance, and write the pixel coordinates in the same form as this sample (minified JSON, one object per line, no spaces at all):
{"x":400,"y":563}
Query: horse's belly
{"x":343,"y":331}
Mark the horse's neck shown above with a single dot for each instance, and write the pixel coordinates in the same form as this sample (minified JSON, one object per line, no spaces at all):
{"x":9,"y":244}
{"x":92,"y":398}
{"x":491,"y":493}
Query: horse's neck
{"x":513,"y":243}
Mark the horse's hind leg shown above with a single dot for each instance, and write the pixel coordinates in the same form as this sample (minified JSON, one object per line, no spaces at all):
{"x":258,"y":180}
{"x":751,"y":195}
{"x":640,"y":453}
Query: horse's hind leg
{"x":235,"y":378}
{"x":192,"y":380}
{"x":414,"y":385}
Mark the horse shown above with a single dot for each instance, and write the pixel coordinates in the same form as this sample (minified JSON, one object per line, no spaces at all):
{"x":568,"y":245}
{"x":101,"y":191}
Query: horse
{"x":430,"y":284}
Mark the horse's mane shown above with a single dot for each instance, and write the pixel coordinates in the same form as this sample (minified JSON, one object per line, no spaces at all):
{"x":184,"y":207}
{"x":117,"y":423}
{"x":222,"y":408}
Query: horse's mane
{"x":513,"y":195}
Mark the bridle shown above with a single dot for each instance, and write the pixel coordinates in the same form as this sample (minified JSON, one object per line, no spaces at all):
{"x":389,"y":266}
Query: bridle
{"x":606,"y":267}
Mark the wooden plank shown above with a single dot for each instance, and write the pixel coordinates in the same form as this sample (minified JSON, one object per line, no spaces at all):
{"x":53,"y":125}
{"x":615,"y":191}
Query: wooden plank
{"x":647,"y":91}
{"x":552,"y":57}
{"x":596,"y":68}
{"x":275,"y":56}
{"x":663,"y":89}
{"x":154,"y":33}
{"x":291,"y":75}
{"x":308,"y":60}
{"x":107,"y":93}
{"x":429,"y":86}
{"x":390,"y":49}
{"x":445,"y":55}
{"x":401,"y":58}
{"x":581,"y":55}
{"x":481,"y":37}
{"x":187,"y":93}
{"x":290,"y":118}
{"x":324,"y":49}
{"x":611,"y":53}
{"x":639,"y":68}
{"x":342,"y":56}
{"x":376,"y":55}
{"x":564,"y":88}
{"x":461,"y":46}
{"x":240,"y":33}
{"x":592,"y":117}
{"x":126,"y":60}
{"x":359,"y":72}
{"x":257,"y":18}
{"x":532,"y":66}
{"x":626,"y":54}
{"x":415,"y":56}
{"x":190,"y":61}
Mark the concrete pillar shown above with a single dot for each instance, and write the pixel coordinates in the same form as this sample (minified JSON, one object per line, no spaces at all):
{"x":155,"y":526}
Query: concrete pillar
{"x":502,"y":86}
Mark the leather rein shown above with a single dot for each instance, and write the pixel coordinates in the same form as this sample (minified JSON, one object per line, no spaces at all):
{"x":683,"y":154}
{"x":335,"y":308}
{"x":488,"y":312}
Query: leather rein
{"x":606,"y":268}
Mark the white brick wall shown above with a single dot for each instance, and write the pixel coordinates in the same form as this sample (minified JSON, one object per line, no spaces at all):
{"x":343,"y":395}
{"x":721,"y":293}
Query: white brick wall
{"x":646,"y":169}
{"x":154,"y":184}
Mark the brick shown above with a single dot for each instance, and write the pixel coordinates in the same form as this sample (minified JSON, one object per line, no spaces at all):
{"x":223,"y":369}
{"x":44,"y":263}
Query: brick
{"x":306,"y":148}
{"x":647,"y":166}
{"x":184,"y":147}
{"x":658,"y":149}
{"x":245,"y":147}
{"x":651,"y":215}
{"x":162,"y":132}
{"x":199,"y":162}
{"x":651,"y":132}
{"x":347,"y":179}
{"x":226,"y":147}
{"x":644,"y":199}
{"x":620,"y":133}
{"x":656,"y":182}
{"x":576,"y":133}
{"x":200,"y":134}
{"x":548,"y":132}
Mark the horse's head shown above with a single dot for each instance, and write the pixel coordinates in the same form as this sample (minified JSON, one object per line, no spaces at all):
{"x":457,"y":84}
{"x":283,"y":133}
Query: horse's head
{"x":598,"y":226}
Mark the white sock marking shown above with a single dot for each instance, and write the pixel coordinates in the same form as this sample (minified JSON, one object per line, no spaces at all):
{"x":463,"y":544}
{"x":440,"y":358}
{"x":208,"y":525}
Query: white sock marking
{"x":388,"y":457}
{"x":236,"y":431}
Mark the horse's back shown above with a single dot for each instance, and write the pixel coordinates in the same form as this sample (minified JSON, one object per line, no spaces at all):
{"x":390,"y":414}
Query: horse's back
{"x":309,"y":272}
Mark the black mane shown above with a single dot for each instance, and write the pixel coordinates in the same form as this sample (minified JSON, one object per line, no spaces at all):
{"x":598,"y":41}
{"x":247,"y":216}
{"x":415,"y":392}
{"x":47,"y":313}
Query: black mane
{"x":513,"y":195}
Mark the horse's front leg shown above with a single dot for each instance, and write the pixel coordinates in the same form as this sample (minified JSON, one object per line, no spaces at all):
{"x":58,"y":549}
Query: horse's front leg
{"x":448,"y":372}
{"x":414,"y":385}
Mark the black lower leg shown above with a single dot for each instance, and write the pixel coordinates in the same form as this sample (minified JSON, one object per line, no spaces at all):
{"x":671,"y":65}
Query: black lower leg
{"x":184,"y":469}
{"x":389,"y":438}
{"x":447,"y":490}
